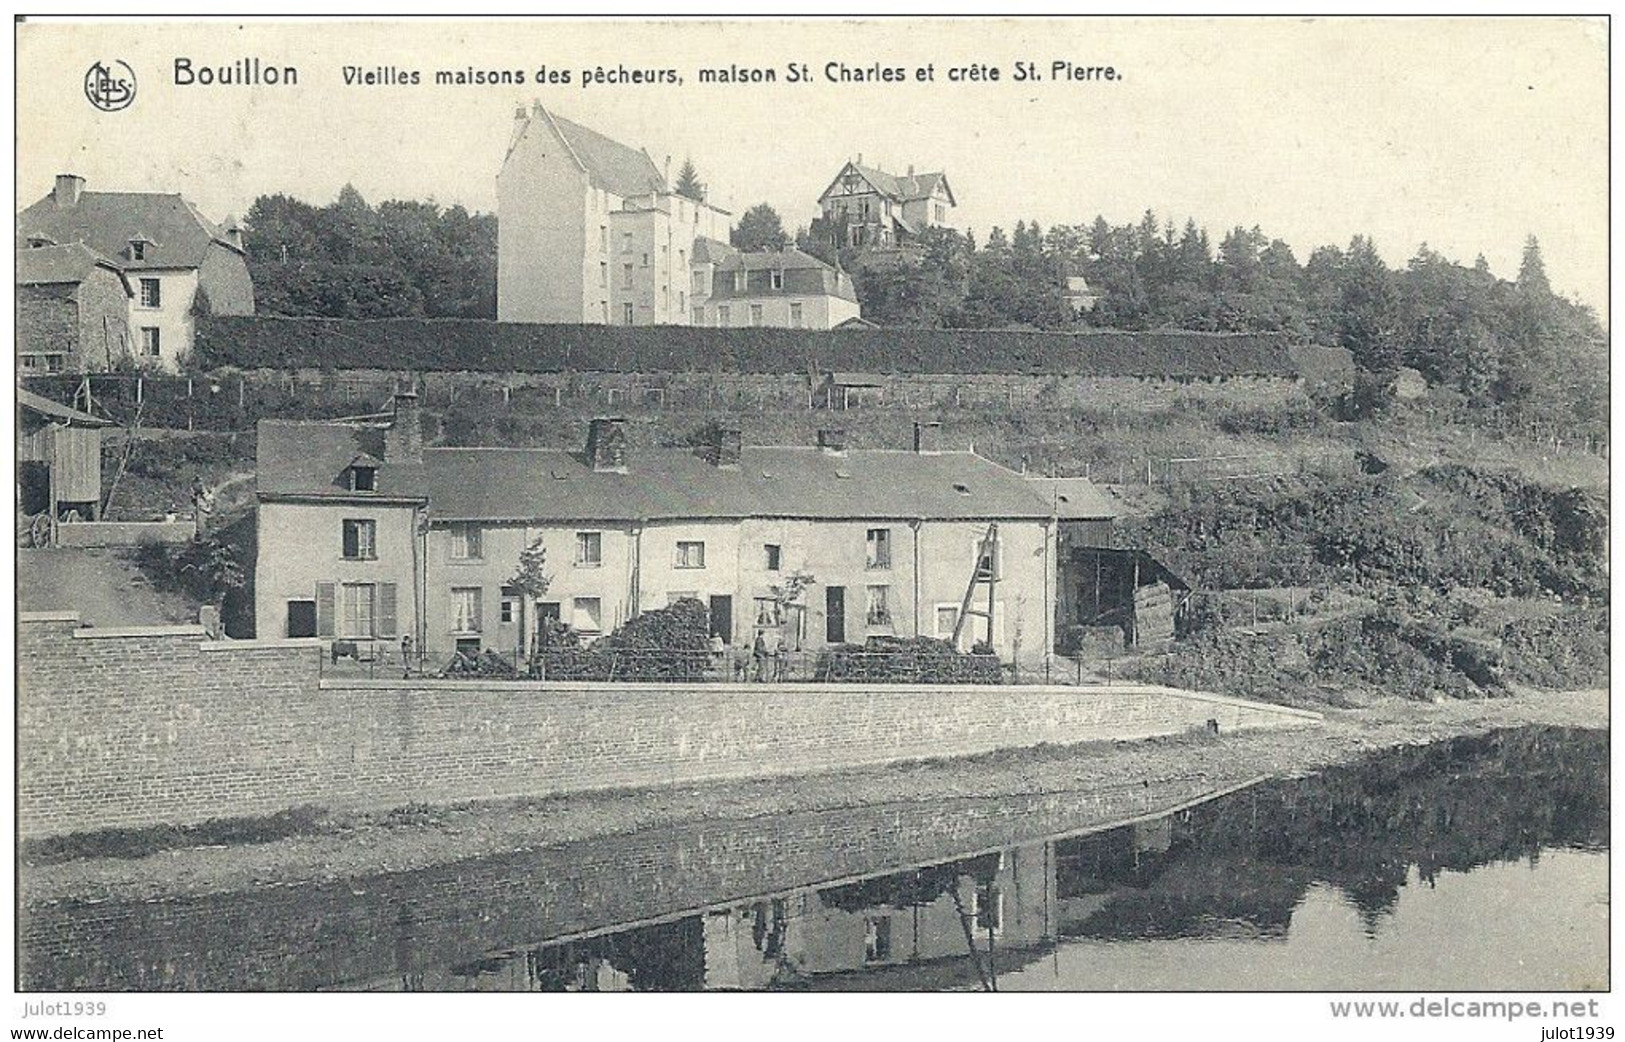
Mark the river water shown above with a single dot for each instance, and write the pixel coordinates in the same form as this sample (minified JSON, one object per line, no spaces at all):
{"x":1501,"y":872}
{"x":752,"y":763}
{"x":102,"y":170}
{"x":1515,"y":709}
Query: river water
{"x":1474,"y":863}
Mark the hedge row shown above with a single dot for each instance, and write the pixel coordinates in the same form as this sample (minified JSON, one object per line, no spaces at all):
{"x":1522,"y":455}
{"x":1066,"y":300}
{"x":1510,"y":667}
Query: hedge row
{"x":441,"y":345}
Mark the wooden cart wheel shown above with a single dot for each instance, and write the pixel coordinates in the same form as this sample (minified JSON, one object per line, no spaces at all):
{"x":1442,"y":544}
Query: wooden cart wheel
{"x":40,"y":530}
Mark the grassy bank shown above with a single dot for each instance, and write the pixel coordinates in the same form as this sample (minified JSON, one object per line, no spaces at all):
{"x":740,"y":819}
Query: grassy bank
{"x":232,"y":856}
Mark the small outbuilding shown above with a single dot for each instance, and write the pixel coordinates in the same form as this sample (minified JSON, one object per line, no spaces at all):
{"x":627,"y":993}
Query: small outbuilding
{"x":59,"y":452}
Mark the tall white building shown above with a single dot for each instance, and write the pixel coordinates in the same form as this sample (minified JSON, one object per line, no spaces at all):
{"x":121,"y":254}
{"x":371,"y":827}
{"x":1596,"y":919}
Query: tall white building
{"x":589,"y":230}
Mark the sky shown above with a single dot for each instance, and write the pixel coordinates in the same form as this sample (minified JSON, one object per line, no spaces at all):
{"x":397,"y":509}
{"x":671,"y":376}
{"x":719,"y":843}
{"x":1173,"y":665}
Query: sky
{"x":1468,"y":134}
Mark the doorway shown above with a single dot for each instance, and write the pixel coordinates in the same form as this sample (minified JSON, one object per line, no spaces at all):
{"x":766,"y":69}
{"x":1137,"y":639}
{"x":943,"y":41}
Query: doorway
{"x":722,"y":617}
{"x":835,"y":615}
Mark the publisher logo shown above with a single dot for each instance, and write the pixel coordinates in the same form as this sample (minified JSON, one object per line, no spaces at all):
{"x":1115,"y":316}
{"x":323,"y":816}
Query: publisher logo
{"x":110,"y":86}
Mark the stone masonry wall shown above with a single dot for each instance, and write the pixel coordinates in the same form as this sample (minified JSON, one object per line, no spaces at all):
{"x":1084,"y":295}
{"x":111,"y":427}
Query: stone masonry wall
{"x":160,"y":726}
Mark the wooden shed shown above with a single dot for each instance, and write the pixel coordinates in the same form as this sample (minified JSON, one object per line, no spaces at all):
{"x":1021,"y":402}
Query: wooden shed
{"x":59,"y":459}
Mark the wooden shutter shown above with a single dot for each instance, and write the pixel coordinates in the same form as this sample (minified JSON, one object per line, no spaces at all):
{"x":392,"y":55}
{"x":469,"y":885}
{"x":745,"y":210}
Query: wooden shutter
{"x":352,"y":539}
{"x":475,"y":611}
{"x":324,"y":608}
{"x":386,"y":609}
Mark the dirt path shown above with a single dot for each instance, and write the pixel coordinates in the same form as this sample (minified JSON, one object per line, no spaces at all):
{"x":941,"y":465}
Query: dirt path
{"x":102,"y":587}
{"x":357,"y":845}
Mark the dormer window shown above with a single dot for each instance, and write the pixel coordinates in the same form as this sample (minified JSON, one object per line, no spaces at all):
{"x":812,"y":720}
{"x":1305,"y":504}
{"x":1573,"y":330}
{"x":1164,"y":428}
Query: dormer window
{"x":38,"y":242}
{"x":139,"y":247}
{"x":776,"y":279}
{"x":364,"y":479}
{"x":739,"y":281}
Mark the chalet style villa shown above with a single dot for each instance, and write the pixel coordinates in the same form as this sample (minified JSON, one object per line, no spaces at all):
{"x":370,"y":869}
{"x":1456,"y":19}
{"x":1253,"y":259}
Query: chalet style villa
{"x":366,"y":535}
{"x":865,"y":206}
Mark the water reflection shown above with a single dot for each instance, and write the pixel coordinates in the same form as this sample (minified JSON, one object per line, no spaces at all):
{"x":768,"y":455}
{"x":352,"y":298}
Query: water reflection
{"x":1364,"y":876}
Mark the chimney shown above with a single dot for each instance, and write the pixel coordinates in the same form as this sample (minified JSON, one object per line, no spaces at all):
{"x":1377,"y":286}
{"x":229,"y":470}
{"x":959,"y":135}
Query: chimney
{"x":234,"y":233}
{"x":726,"y":445}
{"x":832,"y":440}
{"x":403,"y":441}
{"x":68,"y":187}
{"x":667,"y":170}
{"x":911,"y":170}
{"x":860,"y":158}
{"x":927,"y":438}
{"x":606,"y":444}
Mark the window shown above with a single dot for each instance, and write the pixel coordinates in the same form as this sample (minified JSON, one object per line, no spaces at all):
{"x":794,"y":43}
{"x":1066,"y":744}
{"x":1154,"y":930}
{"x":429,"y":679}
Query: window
{"x":363,"y":479}
{"x":603,"y":274}
{"x":878,"y":611}
{"x":589,"y":549}
{"x":464,"y":540}
{"x":465,"y":609}
{"x":699,"y":283}
{"x":722,"y":315}
{"x":768,"y":615}
{"x":587,"y":615}
{"x":603,"y":311}
{"x":508,"y":609}
{"x":682,"y":301}
{"x":877,"y":938}
{"x":775,"y":279}
{"x":739,"y":281}
{"x":987,"y":905}
{"x":879,"y":548}
{"x":357,"y":605}
{"x":32,"y":361}
{"x":989,"y":559}
{"x":681,"y":595}
{"x":626,"y":315}
{"x":947,"y":619}
{"x":756,"y":314}
{"x":138,"y":249}
{"x":690,"y":555}
{"x":626,"y":242}
{"x":645,"y":260}
{"x":150,"y":341}
{"x":942,"y":213}
{"x":699,"y":316}
{"x":151,"y":293}
{"x":360,"y":540}
{"x":772,"y":555}
{"x":795,"y":316}
{"x":626,"y":276}
{"x":603,"y":238}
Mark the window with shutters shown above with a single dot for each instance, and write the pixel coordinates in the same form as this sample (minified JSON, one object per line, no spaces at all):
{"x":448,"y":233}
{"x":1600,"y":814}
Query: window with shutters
{"x":465,"y":609}
{"x":360,"y":539}
{"x":357,"y":611}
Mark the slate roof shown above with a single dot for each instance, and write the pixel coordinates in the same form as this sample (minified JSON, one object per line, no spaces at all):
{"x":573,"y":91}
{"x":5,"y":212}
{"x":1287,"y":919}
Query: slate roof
{"x":53,"y":265}
{"x":107,"y":221}
{"x":504,"y":484}
{"x":1075,"y":499}
{"x":772,"y":260}
{"x":625,"y":171}
{"x":904,"y":188}
{"x":710,"y":251}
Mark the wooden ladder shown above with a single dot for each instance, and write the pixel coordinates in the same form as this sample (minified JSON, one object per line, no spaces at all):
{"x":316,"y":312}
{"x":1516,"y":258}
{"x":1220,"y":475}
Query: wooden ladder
{"x":985,"y":570}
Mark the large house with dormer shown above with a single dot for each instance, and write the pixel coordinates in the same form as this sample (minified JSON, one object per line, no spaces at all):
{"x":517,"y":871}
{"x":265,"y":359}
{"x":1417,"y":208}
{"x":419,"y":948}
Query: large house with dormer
{"x":178,"y":263}
{"x":866,"y":206}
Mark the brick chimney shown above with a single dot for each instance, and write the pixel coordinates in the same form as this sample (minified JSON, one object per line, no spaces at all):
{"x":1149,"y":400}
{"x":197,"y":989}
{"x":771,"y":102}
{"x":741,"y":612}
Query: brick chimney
{"x":832,"y":440}
{"x":606,"y":444}
{"x":403,"y":441}
{"x":928,"y":437}
{"x":68,"y":187}
{"x":234,"y":233}
{"x":726,"y":446}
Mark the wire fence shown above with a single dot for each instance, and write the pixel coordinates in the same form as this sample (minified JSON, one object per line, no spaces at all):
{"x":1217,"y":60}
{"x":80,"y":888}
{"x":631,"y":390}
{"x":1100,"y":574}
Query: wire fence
{"x":383,"y":660}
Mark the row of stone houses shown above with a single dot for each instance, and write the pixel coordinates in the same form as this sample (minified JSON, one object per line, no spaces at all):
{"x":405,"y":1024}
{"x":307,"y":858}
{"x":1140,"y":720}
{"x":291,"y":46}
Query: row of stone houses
{"x":367,"y":536}
{"x":108,"y":277}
